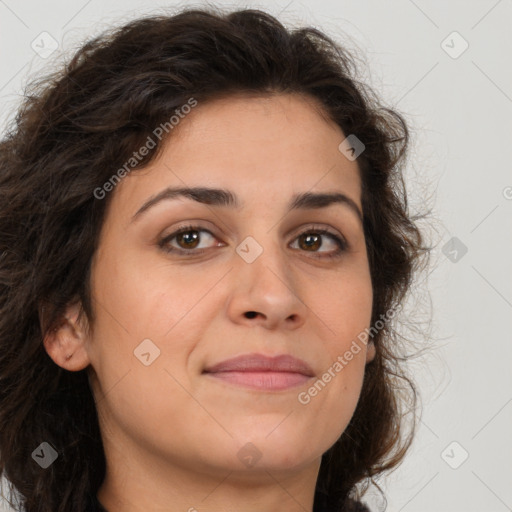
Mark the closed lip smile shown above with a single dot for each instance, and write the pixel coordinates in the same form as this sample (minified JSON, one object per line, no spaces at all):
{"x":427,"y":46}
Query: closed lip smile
{"x":258,"y":371}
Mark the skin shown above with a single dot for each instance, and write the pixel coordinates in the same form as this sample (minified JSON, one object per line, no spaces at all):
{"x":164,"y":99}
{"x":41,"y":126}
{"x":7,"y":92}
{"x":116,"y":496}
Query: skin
{"x":172,"y":434}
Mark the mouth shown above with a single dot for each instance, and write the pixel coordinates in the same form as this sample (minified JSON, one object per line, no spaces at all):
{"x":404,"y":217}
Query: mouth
{"x":257,"y":371}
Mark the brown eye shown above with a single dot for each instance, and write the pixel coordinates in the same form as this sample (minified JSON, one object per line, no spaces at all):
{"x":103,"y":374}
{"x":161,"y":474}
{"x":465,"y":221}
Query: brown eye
{"x":313,"y":240}
{"x":310,"y":241}
{"x":187,"y":239}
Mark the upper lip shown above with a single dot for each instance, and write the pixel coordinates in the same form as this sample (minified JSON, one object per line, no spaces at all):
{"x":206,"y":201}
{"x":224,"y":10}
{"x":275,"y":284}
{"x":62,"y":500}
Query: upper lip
{"x":262,"y":363}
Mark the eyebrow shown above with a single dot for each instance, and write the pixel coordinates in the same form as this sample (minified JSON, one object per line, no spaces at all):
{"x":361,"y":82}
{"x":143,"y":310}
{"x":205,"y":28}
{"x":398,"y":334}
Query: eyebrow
{"x":226,"y":198}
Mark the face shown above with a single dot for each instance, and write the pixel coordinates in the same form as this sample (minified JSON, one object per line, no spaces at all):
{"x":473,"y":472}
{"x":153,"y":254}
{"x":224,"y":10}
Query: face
{"x":255,"y":277}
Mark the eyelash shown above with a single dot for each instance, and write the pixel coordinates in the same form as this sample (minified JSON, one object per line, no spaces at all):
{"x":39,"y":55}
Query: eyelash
{"x":340,"y":242}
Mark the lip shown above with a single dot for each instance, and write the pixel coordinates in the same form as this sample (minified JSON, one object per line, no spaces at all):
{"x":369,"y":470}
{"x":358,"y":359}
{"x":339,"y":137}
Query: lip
{"x":262,"y":372}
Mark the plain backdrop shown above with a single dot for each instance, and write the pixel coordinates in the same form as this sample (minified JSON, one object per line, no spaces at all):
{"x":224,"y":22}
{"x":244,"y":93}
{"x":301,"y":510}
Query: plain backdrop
{"x":446,"y":66}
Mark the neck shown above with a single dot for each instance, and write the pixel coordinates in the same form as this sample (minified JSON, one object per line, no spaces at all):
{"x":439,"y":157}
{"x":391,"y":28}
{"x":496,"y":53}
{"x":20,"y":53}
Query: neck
{"x":136,"y":483}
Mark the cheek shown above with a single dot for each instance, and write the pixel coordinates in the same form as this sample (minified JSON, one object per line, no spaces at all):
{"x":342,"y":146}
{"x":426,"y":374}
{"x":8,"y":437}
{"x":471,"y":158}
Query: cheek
{"x":344,"y":306}
{"x":126,"y":308}
{"x":144,"y":296}
{"x":139,"y":317}
{"x":146,"y":313}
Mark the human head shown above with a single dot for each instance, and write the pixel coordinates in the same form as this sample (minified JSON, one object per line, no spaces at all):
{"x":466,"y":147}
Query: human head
{"x":77,"y":131}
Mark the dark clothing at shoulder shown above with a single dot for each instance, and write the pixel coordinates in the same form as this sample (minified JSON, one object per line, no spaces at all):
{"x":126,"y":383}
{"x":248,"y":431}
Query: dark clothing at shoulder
{"x":351,"y":506}
{"x":326,"y":503}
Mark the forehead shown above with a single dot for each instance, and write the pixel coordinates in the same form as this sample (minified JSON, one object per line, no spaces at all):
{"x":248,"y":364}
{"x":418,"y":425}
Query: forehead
{"x":270,"y":147}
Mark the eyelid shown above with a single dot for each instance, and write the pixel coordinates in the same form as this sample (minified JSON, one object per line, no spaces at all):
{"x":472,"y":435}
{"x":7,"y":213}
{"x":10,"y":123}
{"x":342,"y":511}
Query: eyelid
{"x":322,"y":228}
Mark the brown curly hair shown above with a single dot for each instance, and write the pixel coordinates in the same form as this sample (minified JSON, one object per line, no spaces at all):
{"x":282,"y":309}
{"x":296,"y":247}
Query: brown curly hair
{"x":78,"y":124}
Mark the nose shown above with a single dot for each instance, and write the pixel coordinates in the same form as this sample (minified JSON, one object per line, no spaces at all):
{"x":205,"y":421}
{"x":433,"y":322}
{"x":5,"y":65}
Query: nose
{"x":266,"y":291}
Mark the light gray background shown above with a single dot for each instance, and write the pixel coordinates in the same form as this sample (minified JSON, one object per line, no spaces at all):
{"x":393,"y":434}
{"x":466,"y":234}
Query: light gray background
{"x":460,"y":113}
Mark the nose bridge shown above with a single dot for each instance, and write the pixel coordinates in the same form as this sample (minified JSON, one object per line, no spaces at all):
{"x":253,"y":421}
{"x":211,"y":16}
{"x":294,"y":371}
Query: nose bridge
{"x":264,"y":266}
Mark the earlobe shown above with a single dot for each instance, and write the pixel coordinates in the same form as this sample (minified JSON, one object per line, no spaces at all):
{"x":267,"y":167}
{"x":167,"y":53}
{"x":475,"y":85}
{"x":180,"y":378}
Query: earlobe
{"x":65,"y":344}
{"x":370,"y":352}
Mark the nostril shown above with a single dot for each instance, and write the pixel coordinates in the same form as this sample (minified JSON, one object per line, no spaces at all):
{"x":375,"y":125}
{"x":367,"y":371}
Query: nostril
{"x":250,"y":314}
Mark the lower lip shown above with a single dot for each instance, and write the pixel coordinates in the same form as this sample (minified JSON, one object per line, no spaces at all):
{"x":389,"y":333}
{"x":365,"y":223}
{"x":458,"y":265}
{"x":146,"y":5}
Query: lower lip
{"x":267,"y":381}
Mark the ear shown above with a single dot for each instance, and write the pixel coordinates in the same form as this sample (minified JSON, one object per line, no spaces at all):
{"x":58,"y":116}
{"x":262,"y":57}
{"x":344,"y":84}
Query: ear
{"x":66,"y":344}
{"x":370,"y":351}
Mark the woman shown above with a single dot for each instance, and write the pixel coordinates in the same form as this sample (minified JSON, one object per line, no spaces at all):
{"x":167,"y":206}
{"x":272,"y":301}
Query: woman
{"x":204,"y":239}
